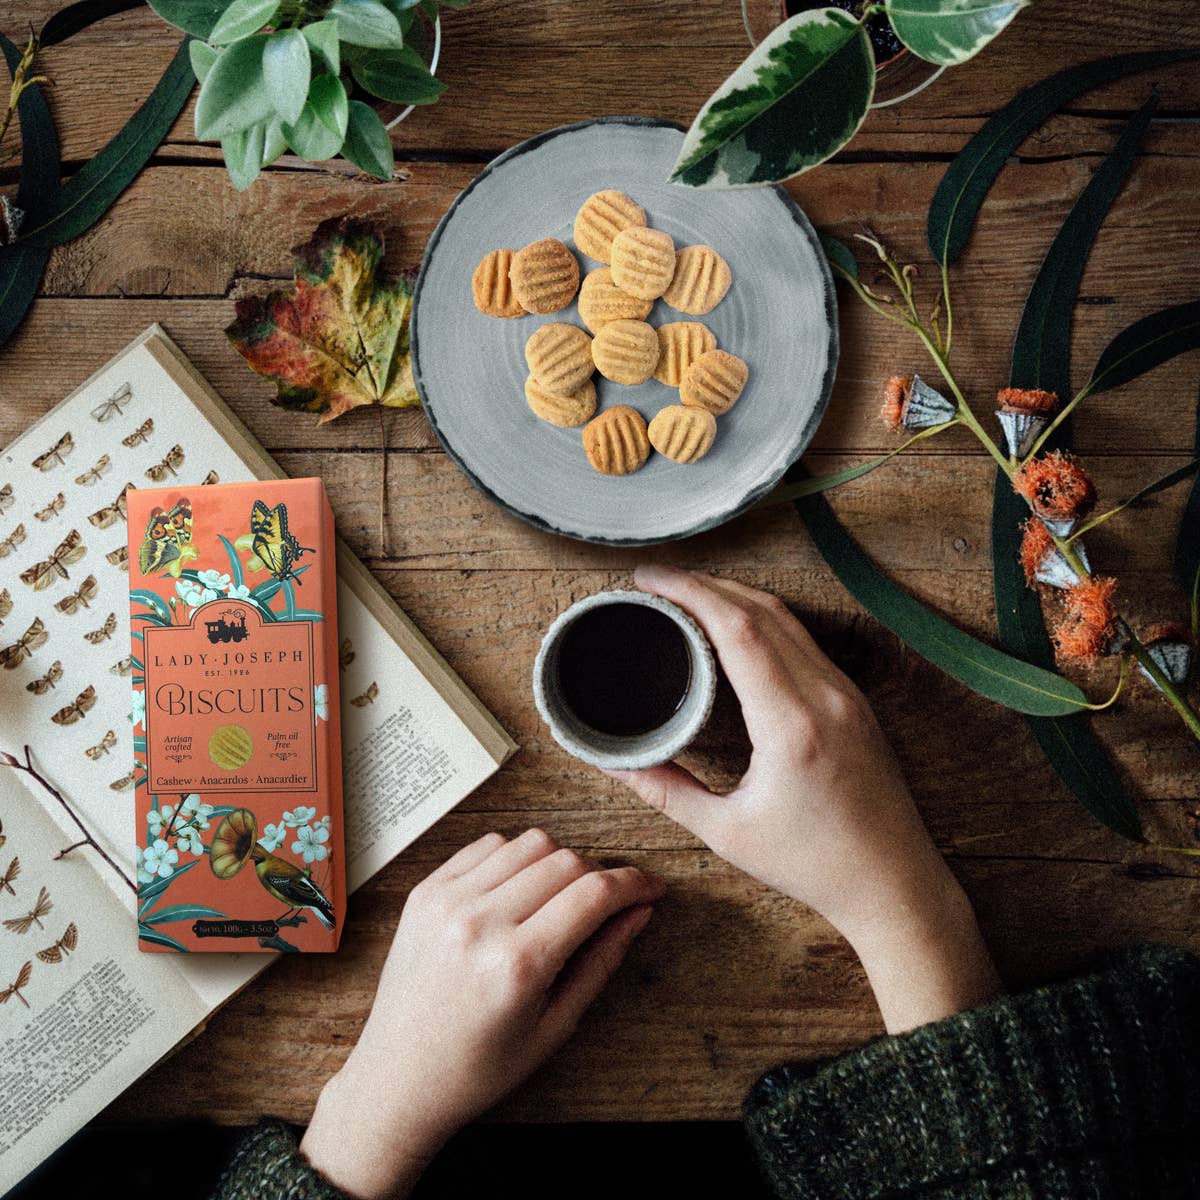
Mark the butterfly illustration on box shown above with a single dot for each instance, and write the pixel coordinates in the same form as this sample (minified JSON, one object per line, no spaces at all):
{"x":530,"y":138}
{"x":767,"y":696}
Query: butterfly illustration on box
{"x":92,"y":474}
{"x":272,"y":545}
{"x":77,"y":709}
{"x":42,"y":574}
{"x":112,"y":407}
{"x":160,"y":470}
{"x":56,"y":455}
{"x":33,"y":917}
{"x":110,"y":514}
{"x":14,"y":539}
{"x":52,"y":509}
{"x":6,"y":497}
{"x":140,"y":434}
{"x":89,"y":589}
{"x":45,"y":682}
{"x":34,"y":637}
{"x":168,"y":541}
{"x":61,"y":948}
{"x":96,"y":636}
{"x":14,"y":869}
{"x":15,"y":988}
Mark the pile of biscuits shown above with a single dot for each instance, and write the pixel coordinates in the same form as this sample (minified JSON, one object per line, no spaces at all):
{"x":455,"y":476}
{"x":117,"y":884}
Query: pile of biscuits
{"x":642,"y":266}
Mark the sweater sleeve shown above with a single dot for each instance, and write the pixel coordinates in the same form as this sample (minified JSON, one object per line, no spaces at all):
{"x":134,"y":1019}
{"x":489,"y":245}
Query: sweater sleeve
{"x":267,"y":1165}
{"x":1088,"y":1087}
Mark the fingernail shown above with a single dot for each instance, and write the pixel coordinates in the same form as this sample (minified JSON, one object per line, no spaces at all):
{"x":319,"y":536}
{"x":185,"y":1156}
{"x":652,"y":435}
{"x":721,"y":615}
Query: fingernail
{"x":655,"y":575}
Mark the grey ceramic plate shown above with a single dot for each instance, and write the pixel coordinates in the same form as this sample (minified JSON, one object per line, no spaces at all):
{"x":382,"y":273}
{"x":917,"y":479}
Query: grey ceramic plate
{"x":780,"y":315}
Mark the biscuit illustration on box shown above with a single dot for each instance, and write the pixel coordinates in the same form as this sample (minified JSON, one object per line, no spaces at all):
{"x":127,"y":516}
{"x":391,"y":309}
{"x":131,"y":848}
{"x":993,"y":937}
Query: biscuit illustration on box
{"x":230,"y":746}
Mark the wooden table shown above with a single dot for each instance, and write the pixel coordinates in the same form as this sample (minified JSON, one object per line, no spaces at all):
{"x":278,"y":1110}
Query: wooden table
{"x":730,"y":977}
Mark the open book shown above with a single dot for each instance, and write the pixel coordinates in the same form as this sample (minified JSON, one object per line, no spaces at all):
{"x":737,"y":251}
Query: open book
{"x":82,"y":1013}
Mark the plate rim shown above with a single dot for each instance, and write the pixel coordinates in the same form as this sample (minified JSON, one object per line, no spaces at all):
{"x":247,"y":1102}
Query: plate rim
{"x":755,"y":493}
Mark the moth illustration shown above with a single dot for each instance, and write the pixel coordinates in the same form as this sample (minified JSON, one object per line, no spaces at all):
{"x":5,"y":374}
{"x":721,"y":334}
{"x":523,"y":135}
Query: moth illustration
{"x":89,"y":589}
{"x":34,"y":916}
{"x":368,"y":697}
{"x":45,"y":682}
{"x":110,"y":514}
{"x":77,"y":709}
{"x":211,"y":477}
{"x":166,"y":535}
{"x":105,"y":744}
{"x":92,"y":474}
{"x":22,"y":981}
{"x":64,"y":946}
{"x":124,"y":667}
{"x":119,"y":557}
{"x":14,"y":539}
{"x":160,"y":470}
{"x":114,"y":405}
{"x":125,"y":782}
{"x":41,"y":575}
{"x":272,"y":543}
{"x":24,"y":647}
{"x":14,"y":869}
{"x":6,"y":497}
{"x":96,"y":636}
{"x":345,"y":654}
{"x":56,"y":455}
{"x":52,"y":509}
{"x":6,"y":604}
{"x":140,"y":434}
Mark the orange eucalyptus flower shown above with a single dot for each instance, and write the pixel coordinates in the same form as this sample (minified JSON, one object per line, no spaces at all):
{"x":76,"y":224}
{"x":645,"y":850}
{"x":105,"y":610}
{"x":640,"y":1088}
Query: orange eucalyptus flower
{"x":1027,"y":400}
{"x":1088,"y":623}
{"x":1057,"y":486}
{"x":1036,"y":546}
{"x":895,"y":392}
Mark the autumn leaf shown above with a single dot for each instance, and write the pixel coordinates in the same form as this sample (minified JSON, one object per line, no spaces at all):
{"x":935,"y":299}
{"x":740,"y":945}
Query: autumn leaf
{"x":339,"y":338}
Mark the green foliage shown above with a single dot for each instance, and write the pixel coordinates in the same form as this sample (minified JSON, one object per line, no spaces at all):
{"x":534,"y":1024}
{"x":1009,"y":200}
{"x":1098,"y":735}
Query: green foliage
{"x":301,"y":75}
{"x":948,"y":32}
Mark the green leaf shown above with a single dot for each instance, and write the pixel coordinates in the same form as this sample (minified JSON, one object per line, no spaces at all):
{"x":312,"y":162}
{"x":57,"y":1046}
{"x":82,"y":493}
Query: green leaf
{"x":969,"y":178}
{"x":234,"y":94}
{"x":235,"y":563}
{"x":202,"y":57}
{"x":147,"y":933}
{"x":21,"y":271}
{"x":274,"y":143}
{"x":1187,"y":541}
{"x":798,"y":98}
{"x":315,"y":135}
{"x":367,"y":23}
{"x":287,"y":70}
{"x":840,"y":256}
{"x":984,"y":669}
{"x":181,"y":912}
{"x":329,"y":101}
{"x":196,"y":17}
{"x":289,"y":599}
{"x":1161,"y":484}
{"x":148,"y":891}
{"x":367,"y":143}
{"x":322,"y":37}
{"x":151,"y":600}
{"x":70,"y":20}
{"x":243,"y":153}
{"x":241,"y":19}
{"x":1146,"y":344}
{"x":949,"y":32}
{"x":400,"y":76}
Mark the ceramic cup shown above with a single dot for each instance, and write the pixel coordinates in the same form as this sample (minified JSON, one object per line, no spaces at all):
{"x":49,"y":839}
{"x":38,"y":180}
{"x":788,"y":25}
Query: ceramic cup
{"x":621,"y":752}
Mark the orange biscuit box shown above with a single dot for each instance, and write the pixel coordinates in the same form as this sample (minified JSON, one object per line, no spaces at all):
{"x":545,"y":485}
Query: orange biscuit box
{"x":233,"y":606}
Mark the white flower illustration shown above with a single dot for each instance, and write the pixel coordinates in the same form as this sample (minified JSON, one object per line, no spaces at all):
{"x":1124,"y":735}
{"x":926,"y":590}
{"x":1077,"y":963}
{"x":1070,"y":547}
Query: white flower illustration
{"x":138,"y":715}
{"x":193,"y":595}
{"x":143,"y":875}
{"x":160,"y":859}
{"x":160,"y":818}
{"x":326,"y":822}
{"x":213,"y":580}
{"x":321,"y":703}
{"x":195,"y":812}
{"x":310,"y":843}
{"x":240,"y":591}
{"x":272,"y":836}
{"x":189,"y":840}
{"x":300,"y":815}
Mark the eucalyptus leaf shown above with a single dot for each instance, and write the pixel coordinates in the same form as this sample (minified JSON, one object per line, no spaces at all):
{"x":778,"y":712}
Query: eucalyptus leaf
{"x":400,"y":76}
{"x":1146,"y":344}
{"x":322,"y":37}
{"x":92,"y":190}
{"x":367,"y":23}
{"x":243,"y":152}
{"x":312,"y":136}
{"x":840,"y":256}
{"x":234,"y":94}
{"x":240,"y":19}
{"x":70,"y":20}
{"x":367,"y":143}
{"x":202,"y":57}
{"x":21,"y":271}
{"x":1187,"y":541}
{"x":1161,"y":484}
{"x":949,"y":32}
{"x":196,"y":17}
{"x":287,"y":70}
{"x":969,"y":178}
{"x":798,"y":98}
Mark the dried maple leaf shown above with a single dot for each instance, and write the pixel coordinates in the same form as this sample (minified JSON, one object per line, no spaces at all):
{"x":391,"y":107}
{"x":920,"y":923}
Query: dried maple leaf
{"x":339,"y":338}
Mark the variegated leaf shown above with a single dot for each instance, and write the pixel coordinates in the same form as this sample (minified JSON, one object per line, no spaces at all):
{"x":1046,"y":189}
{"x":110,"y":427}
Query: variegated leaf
{"x":948,"y":32}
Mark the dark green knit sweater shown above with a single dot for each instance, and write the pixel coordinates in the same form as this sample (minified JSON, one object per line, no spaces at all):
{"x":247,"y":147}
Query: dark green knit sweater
{"x":1085,"y":1088}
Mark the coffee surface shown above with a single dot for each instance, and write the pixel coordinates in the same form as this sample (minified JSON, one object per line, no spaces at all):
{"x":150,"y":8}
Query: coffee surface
{"x":624,"y":669}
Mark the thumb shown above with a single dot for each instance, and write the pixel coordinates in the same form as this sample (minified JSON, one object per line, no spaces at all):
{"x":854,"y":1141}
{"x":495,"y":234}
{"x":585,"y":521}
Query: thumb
{"x":675,"y":792}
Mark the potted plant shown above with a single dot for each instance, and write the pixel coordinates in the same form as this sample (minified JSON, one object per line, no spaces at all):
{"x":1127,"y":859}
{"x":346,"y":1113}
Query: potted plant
{"x":310,"y":76}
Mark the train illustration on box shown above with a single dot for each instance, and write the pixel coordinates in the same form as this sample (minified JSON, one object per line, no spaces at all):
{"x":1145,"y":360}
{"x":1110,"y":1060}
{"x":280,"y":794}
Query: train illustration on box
{"x":233,"y":630}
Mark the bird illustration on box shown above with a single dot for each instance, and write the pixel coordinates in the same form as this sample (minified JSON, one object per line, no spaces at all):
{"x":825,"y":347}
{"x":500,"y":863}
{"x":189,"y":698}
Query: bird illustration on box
{"x":235,"y":843}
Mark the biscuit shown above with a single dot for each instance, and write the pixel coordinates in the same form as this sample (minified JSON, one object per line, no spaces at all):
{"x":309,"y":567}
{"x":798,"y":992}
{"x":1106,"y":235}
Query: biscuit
{"x":230,"y":747}
{"x":615,"y":442}
{"x":600,"y":218}
{"x":544,"y":276}
{"x":700,"y":281}
{"x":626,"y":351}
{"x":643,"y":262}
{"x":492,"y":289}
{"x":683,"y":434}
{"x":714,"y":381}
{"x":559,"y":357}
{"x":680,"y":343}
{"x":562,"y":408}
{"x":601,"y":301}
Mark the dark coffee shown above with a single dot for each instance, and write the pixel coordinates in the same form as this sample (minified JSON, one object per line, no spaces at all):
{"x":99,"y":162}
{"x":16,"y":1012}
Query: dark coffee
{"x":624,"y":669}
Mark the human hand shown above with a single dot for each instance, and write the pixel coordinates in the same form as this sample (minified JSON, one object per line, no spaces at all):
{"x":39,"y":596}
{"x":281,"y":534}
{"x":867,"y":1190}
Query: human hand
{"x":823,"y":813}
{"x":497,"y":955}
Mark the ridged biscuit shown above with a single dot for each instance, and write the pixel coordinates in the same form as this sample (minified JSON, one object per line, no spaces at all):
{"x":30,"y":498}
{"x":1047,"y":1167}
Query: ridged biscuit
{"x":230,"y":747}
{"x":643,"y":262}
{"x":701,"y":279}
{"x":615,"y":442}
{"x":600,"y":218}
{"x":601,"y":301}
{"x":680,"y":343}
{"x":492,"y":289}
{"x":714,"y":382}
{"x":544,"y":276}
{"x":683,"y":434}
{"x":561,"y":408}
{"x":559,"y":357}
{"x":626,"y":351}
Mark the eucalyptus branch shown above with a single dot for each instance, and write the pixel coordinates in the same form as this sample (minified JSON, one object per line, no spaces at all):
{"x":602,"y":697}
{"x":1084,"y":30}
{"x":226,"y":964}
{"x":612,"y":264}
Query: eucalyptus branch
{"x":1066,"y":411}
{"x":21,"y":80}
